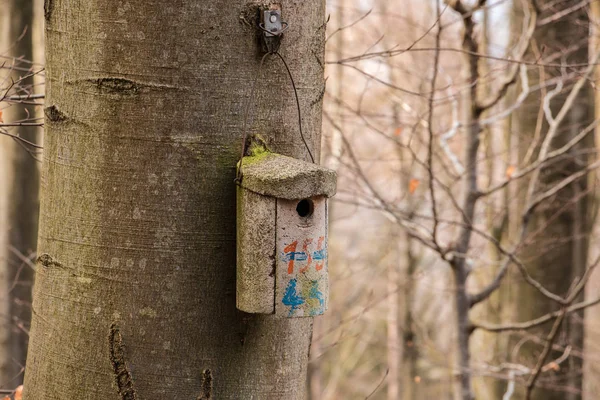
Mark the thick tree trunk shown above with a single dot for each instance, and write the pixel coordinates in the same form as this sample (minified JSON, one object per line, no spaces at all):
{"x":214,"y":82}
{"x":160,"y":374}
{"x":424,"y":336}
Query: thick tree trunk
{"x":558,"y":234}
{"x":135,"y":289}
{"x":19,"y":186}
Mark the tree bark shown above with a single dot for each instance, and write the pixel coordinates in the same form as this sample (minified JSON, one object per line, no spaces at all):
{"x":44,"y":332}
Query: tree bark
{"x":135,"y":285}
{"x":19,"y":183}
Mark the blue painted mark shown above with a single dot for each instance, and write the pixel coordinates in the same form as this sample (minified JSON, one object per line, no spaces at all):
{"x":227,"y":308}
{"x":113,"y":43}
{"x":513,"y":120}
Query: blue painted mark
{"x":320,"y":255}
{"x":295,"y":256}
{"x":291,"y":297}
{"x":315,"y":293}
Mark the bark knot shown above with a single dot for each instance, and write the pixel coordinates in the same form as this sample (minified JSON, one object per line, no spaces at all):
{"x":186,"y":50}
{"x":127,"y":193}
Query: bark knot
{"x":48,"y":8}
{"x":54,"y":114}
{"x":117,"y":359}
{"x":47,"y":261}
{"x":117,"y":86}
{"x":207,"y":385}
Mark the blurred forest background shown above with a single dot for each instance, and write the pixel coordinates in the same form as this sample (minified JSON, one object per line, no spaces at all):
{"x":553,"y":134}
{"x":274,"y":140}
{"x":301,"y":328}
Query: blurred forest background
{"x":463,"y":237}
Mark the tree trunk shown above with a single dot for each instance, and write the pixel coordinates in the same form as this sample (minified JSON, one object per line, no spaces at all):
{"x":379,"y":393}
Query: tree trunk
{"x":135,"y":285}
{"x":19,"y":183}
{"x":489,"y":348}
{"x":558,"y":235}
{"x":394,"y":344}
{"x":592,"y":315}
{"x":410,"y":351}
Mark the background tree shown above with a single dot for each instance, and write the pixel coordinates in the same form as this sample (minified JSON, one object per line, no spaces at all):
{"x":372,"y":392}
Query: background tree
{"x":19,"y":179}
{"x":557,"y":245}
{"x":465,"y":177}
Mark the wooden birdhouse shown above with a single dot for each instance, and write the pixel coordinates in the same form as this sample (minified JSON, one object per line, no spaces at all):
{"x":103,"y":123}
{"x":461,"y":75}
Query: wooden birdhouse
{"x":282,"y":235}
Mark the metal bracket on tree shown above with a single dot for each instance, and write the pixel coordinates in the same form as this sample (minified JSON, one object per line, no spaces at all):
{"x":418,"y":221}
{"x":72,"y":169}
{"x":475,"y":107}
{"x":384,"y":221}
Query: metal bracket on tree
{"x":272,"y":28}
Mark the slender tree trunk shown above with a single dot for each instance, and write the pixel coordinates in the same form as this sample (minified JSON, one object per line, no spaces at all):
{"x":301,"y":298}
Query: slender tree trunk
{"x":558,"y":234}
{"x":592,"y":316}
{"x":486,"y":346}
{"x":135,"y":285}
{"x":394,"y":344}
{"x":460,"y":270}
{"x":19,"y":183}
{"x":331,"y":160}
{"x":410,"y":353}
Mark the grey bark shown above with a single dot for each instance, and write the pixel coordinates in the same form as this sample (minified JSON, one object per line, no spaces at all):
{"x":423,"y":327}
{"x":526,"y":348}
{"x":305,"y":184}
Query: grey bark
{"x":135,"y":288}
{"x":19,"y":183}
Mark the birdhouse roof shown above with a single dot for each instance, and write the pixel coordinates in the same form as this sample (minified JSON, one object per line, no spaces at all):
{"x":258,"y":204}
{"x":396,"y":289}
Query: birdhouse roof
{"x":275,"y":175}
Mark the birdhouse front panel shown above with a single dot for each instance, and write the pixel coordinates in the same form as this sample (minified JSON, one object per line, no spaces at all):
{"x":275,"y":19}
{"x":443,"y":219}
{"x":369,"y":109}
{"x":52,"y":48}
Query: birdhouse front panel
{"x":302,"y":286}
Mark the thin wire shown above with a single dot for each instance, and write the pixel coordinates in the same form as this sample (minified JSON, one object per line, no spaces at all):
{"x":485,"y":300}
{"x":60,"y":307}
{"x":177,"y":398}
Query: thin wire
{"x":297,"y":105}
{"x":246,"y":113}
{"x":284,"y":28}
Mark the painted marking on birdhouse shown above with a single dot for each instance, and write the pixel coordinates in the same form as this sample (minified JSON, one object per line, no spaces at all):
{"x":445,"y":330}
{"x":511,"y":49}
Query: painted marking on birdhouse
{"x":303,"y":295}
{"x":302,"y":283}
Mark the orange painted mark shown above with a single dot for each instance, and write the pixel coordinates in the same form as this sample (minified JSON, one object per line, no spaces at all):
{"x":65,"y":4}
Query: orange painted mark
{"x":291,"y":249}
{"x":305,"y":250}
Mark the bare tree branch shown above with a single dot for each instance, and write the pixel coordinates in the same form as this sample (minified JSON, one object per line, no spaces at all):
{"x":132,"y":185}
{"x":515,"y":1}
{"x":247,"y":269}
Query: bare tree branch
{"x":519,"y":326}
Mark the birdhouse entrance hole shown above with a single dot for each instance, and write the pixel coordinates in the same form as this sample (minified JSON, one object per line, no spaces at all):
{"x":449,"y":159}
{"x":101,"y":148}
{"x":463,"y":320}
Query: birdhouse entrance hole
{"x":305,"y":208}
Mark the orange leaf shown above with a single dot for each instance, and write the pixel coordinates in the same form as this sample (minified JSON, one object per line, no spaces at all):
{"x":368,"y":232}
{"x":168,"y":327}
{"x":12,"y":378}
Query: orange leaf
{"x":413,"y":185}
{"x":1,"y":120}
{"x":510,"y":171}
{"x":398,"y":131}
{"x":6,"y":398}
{"x":19,"y":393}
{"x":553,"y":366}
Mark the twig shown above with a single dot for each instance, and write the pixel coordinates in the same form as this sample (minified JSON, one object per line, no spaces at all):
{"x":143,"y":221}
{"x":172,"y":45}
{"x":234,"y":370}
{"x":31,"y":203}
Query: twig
{"x":436,"y":60}
{"x":338,"y":30}
{"x":387,"y":371}
{"x":556,"y":122}
{"x":549,"y":341}
{"x":511,"y":78}
{"x":563,"y":13}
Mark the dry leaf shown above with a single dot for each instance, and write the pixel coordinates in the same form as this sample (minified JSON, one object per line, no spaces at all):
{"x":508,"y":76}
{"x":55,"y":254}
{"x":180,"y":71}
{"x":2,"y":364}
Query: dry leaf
{"x":398,"y":131}
{"x":6,"y":398}
{"x":413,"y":185}
{"x":1,"y":120}
{"x":19,"y":393}
{"x":417,"y":379}
{"x":510,"y":171}
{"x":553,"y":366}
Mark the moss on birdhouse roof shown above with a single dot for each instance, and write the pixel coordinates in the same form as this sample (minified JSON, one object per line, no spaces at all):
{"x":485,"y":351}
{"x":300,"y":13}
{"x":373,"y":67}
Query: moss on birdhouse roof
{"x":275,"y":175}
